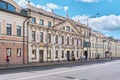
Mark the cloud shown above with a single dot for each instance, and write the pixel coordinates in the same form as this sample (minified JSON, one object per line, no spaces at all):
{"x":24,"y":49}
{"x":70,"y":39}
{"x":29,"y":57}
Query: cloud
{"x":104,"y":23}
{"x":48,"y":6}
{"x":66,"y":8}
{"x":52,"y":6}
{"x":88,"y":1}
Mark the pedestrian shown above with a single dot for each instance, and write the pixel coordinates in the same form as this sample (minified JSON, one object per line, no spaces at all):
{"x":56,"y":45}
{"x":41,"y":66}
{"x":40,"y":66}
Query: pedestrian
{"x":7,"y":60}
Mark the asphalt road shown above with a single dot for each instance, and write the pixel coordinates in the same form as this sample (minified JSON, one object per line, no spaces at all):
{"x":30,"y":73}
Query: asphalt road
{"x":101,"y":71}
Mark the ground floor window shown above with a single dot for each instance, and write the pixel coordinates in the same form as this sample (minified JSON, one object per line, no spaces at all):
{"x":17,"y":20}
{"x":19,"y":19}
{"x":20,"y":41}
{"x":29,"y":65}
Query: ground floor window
{"x":49,"y":54}
{"x":62,"y":54}
{"x":77,"y":54}
{"x":56,"y":56}
{"x":18,"y":52}
{"x":33,"y":54}
{"x":8,"y":50}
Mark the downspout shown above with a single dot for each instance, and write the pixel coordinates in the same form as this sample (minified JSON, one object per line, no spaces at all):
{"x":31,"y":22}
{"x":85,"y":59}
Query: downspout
{"x":24,"y":39}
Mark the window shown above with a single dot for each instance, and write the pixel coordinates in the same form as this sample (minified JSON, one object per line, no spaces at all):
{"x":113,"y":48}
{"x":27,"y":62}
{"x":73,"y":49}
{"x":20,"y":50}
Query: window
{"x":33,"y":20}
{"x":8,"y":29}
{"x":7,"y":6}
{"x":72,"y":30}
{"x":49,"y":38}
{"x":41,"y":36}
{"x":77,"y":41}
{"x":49,"y":54}
{"x":49,"y":24}
{"x":56,"y":38}
{"x":3,"y":5}
{"x":62,"y":53}
{"x":8,"y":50}
{"x":56,"y":54}
{"x":33,"y":35}
{"x":18,"y":52}
{"x":33,"y":54}
{"x":72,"y":41}
{"x":67,"y":40}
{"x":67,"y":28}
{"x":77,"y":55}
{"x":62,"y":39}
{"x":11,"y":8}
{"x":41,"y":22}
{"x":18,"y":30}
{"x":63,"y":28}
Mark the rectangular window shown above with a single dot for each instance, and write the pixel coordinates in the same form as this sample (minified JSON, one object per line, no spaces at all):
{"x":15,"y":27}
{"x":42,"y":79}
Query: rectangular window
{"x":77,"y":54}
{"x":49,"y":54}
{"x":77,"y":42}
{"x":9,"y":29}
{"x":33,"y":20}
{"x":18,"y":30}
{"x":67,"y":40}
{"x":49,"y":24}
{"x":33,"y":54}
{"x":62,"y":39}
{"x":41,"y":22}
{"x":62,"y":53}
{"x":67,"y":28}
{"x":41,"y":36}
{"x":33,"y":35}
{"x":56,"y":54}
{"x":8,"y":50}
{"x":49,"y":38}
{"x":18,"y":52}
{"x":72,"y":41}
{"x":56,"y":38}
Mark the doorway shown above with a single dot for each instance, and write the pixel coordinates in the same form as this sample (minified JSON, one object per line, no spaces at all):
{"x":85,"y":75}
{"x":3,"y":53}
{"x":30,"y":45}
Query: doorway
{"x":40,"y":56}
{"x":68,"y":55}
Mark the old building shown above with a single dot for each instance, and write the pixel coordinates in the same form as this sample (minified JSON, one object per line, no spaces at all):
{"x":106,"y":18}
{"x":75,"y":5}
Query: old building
{"x":13,"y":39}
{"x":52,"y":37}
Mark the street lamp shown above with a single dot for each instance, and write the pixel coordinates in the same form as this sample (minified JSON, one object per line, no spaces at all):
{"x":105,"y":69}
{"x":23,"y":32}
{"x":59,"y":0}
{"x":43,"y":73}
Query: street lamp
{"x":89,"y":42}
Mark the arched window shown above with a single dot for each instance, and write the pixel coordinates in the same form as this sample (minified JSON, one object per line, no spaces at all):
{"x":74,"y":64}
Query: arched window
{"x":7,"y":6}
{"x":3,"y":5}
{"x":11,"y":8}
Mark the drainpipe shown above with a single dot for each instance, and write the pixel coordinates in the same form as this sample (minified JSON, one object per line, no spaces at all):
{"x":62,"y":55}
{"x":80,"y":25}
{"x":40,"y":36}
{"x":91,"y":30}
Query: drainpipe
{"x":24,"y":39}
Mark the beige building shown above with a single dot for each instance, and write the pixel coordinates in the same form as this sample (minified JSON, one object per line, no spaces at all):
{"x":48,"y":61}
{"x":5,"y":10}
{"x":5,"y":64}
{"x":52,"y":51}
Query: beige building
{"x":52,"y":37}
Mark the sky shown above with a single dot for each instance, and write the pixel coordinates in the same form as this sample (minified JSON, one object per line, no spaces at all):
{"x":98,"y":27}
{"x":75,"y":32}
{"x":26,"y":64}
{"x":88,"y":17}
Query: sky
{"x":102,"y":15}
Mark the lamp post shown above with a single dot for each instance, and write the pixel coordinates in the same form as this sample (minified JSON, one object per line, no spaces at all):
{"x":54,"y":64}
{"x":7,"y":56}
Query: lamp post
{"x":88,"y":44}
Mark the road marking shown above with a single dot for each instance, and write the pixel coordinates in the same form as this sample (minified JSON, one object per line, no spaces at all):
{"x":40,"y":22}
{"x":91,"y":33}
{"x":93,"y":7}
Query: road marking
{"x":48,"y":74}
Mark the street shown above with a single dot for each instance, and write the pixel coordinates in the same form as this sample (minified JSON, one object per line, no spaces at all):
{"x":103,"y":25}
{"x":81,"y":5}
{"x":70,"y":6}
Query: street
{"x":101,"y":71}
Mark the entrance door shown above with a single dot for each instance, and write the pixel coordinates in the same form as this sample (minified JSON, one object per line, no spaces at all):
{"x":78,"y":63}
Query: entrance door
{"x":86,"y":55}
{"x":68,"y":55}
{"x":40,"y":55}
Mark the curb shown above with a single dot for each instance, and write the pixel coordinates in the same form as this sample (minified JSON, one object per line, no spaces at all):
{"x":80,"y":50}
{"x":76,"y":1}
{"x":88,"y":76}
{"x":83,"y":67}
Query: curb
{"x":57,"y":63}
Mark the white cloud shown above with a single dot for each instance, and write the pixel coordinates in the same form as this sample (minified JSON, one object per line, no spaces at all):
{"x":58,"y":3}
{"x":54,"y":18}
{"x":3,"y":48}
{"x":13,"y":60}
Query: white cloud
{"x":48,"y":6}
{"x":104,"y":23}
{"x":89,"y":1}
{"x":52,"y":6}
{"x":21,"y":3}
{"x":66,"y":8}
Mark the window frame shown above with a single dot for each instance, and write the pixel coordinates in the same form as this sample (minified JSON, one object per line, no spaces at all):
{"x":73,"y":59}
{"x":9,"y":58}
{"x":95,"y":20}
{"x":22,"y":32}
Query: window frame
{"x":18,"y":31}
{"x":9,"y":53}
{"x":34,"y":54}
{"x":49,"y":23}
{"x":41,"y":36}
{"x":19,"y":54}
{"x":9,"y":29}
{"x":33,"y":36}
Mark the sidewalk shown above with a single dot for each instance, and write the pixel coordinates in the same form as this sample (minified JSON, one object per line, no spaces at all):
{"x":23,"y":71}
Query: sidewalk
{"x":54,"y":63}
